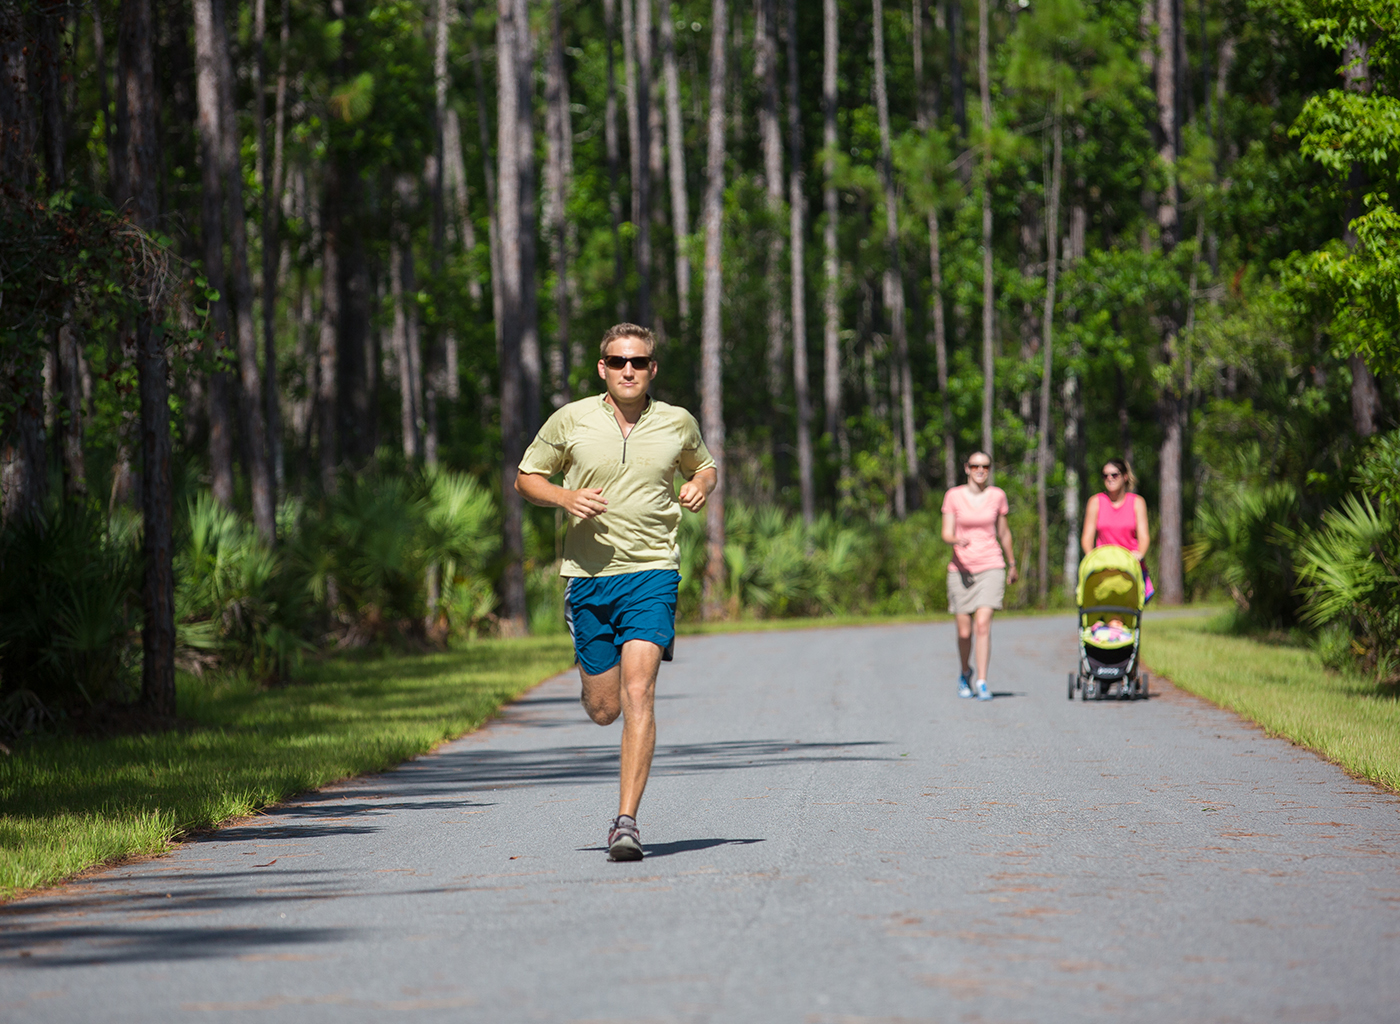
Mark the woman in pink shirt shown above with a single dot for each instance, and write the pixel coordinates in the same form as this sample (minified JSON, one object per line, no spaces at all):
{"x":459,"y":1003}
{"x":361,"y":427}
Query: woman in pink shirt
{"x":974,"y":523}
{"x":1118,"y":516}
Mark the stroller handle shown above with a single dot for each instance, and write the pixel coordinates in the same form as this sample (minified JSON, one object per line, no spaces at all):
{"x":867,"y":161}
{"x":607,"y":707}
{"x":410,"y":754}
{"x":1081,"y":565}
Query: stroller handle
{"x":1110,"y":608}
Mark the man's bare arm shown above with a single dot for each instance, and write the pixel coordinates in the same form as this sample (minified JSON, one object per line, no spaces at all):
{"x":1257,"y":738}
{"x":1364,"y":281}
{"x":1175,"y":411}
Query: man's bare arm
{"x":696,"y":491}
{"x":584,"y":503}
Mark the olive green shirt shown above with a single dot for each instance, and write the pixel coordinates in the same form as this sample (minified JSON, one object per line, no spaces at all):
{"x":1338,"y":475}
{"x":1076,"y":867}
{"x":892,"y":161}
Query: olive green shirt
{"x":636,"y":474}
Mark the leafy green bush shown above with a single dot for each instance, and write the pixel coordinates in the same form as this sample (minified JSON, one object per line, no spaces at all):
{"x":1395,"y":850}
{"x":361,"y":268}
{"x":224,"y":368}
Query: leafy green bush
{"x":1350,"y":573}
{"x":236,"y":599}
{"x":69,"y":614}
{"x":1244,"y":541}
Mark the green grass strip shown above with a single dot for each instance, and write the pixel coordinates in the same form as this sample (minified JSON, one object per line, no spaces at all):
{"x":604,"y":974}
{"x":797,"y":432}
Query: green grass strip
{"x":70,"y":804}
{"x":1348,"y":720}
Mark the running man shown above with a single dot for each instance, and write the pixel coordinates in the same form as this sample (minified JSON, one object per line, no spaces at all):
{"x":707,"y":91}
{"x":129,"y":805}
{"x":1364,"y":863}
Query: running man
{"x":619,"y":455}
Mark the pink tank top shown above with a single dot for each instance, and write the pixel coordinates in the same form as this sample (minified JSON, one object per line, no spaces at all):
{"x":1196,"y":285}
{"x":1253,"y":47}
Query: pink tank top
{"x":1117,"y":525}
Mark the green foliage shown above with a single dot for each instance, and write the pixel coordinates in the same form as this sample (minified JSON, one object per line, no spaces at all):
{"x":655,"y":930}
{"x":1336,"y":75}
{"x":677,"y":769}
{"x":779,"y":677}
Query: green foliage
{"x":236,"y":598}
{"x":1350,"y":572}
{"x":69,"y":614}
{"x":1239,"y":542}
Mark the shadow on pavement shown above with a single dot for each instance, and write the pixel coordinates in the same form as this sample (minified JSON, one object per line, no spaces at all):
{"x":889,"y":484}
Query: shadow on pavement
{"x":655,"y":850}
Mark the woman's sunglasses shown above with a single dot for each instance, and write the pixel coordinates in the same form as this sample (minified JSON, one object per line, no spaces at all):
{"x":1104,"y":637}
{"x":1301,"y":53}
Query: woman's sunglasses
{"x":618,"y":362}
{"x":979,"y":465}
{"x":1112,"y":476}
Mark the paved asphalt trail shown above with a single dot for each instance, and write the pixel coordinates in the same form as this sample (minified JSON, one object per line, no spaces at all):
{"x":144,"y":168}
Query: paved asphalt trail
{"x":833,"y":837}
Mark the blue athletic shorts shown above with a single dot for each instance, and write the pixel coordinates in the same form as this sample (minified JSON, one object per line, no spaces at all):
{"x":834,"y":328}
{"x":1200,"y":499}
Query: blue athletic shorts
{"x":603,"y":612}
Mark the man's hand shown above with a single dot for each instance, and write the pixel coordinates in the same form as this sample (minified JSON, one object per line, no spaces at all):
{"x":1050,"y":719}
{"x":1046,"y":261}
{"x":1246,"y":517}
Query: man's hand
{"x":693,"y":496}
{"x":696,"y":491}
{"x":585,"y":503}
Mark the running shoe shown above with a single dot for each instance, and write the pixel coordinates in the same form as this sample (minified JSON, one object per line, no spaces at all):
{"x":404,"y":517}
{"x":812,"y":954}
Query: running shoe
{"x":624,"y":841}
{"x":965,"y":684}
{"x":984,"y":692}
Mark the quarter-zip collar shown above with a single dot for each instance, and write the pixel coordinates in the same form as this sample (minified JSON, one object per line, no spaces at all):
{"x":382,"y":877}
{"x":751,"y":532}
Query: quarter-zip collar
{"x":611,"y":410}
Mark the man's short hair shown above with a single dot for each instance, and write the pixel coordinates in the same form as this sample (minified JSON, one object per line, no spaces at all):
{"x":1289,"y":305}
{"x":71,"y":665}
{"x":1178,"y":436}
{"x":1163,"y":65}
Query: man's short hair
{"x":627,"y":331}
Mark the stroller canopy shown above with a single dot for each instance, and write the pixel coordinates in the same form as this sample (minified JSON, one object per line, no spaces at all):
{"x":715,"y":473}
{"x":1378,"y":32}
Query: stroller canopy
{"x":1110,"y":576}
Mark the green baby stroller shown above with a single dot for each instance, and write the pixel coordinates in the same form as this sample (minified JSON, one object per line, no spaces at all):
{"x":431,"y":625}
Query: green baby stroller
{"x":1111,"y":589}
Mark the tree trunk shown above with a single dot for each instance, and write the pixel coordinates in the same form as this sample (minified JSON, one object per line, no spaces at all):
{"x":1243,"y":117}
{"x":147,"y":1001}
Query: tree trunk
{"x":1045,"y":454}
{"x":771,"y":142}
{"x":68,"y":422}
{"x":984,"y":82}
{"x":908,"y":474}
{"x":711,"y":369}
{"x":269,"y":173}
{"x":1365,"y":393}
{"x":403,"y":342}
{"x":797,"y":231}
{"x":923,"y":120}
{"x":611,"y":143}
{"x":531,"y":364}
{"x":1070,"y":397}
{"x":556,"y":217}
{"x":641,"y":190}
{"x":207,"y":14}
{"x":140,"y":170}
{"x":493,"y":226}
{"x":831,"y":309}
{"x":675,"y":151}
{"x":327,"y":368}
{"x":510,"y":196}
{"x":1170,"y":579}
{"x":955,"y":66}
{"x":241,"y":287}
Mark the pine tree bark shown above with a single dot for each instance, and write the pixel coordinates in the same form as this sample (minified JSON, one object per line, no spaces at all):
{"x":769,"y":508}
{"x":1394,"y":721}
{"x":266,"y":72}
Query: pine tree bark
{"x":493,"y":226}
{"x":1044,"y":453}
{"x":711,"y":368}
{"x":207,"y":14}
{"x":797,"y":232}
{"x":924,"y":120}
{"x":531,"y":363}
{"x":510,"y":197}
{"x":327,"y":350}
{"x":612,"y":145}
{"x":269,"y":174}
{"x":908,"y":473}
{"x":831,"y":309}
{"x":140,"y":161}
{"x":68,"y":423}
{"x":771,"y":143}
{"x":241,"y":288}
{"x":955,"y":66}
{"x":1365,"y":392}
{"x":675,"y":151}
{"x":1072,"y":401}
{"x":557,"y":128}
{"x":1170,"y":581}
{"x":641,"y":190}
{"x":984,"y":82}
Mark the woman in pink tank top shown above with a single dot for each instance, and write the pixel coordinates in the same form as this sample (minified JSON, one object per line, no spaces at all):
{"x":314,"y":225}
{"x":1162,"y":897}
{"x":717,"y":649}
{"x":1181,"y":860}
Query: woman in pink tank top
{"x":1117,"y":516}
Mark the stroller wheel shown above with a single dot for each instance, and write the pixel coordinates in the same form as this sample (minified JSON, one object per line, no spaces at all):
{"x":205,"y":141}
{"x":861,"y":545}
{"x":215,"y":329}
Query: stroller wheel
{"x":1071,"y":686}
{"x":1142,"y":685}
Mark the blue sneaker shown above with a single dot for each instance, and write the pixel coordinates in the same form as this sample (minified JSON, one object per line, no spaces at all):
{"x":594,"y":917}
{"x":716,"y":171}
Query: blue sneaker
{"x":984,"y":692}
{"x":965,"y":684}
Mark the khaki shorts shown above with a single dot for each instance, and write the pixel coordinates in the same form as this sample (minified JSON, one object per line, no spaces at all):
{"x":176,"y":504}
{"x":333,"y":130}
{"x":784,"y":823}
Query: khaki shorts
{"x":987,"y":591}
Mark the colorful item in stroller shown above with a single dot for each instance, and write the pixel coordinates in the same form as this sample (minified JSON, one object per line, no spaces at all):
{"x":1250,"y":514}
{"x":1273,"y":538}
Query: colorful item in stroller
{"x":1110,"y":597}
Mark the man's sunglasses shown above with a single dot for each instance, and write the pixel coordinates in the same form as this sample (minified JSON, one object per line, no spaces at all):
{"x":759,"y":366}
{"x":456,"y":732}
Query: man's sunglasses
{"x":618,"y":362}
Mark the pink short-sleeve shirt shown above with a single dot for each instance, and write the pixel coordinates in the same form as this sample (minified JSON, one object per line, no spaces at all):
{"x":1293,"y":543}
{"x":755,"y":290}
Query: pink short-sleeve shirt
{"x":975,"y":520}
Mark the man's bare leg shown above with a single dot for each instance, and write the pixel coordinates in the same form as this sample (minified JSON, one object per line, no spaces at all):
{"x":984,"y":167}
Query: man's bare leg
{"x":628,"y":689}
